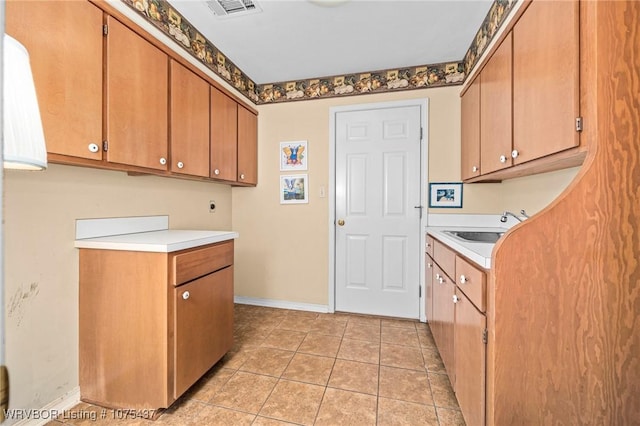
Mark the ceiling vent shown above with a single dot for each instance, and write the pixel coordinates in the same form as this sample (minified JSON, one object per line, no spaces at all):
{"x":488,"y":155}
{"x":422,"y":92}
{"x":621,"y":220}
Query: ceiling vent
{"x":229,"y":8}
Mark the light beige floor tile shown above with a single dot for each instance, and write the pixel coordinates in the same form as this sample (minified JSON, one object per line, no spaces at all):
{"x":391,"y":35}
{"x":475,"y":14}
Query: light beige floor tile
{"x":340,"y":407}
{"x":297,"y":323}
{"x":401,"y":356}
{"x":328,"y":327}
{"x":245,"y":392}
{"x":233,"y":359}
{"x":211,"y":415}
{"x":442,"y":391}
{"x":267,"y":361}
{"x":365,"y":320}
{"x":405,"y":385}
{"x":358,"y":331}
{"x":450,"y":417}
{"x":360,"y":350}
{"x":294,"y":402}
{"x":426,"y":338}
{"x":400,"y":336}
{"x":264,"y":421}
{"x":284,"y":339}
{"x":355,"y":376}
{"x":205,"y":388}
{"x":402,"y":413}
{"x":309,"y":369}
{"x":182,"y":411}
{"x":392,"y":322}
{"x":320,"y":344}
{"x":432,"y":361}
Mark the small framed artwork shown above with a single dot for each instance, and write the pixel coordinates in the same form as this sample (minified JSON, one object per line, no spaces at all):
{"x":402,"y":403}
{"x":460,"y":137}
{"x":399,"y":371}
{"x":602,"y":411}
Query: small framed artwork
{"x":294,"y":155}
{"x":294,"y":189}
{"x":445,"y":195}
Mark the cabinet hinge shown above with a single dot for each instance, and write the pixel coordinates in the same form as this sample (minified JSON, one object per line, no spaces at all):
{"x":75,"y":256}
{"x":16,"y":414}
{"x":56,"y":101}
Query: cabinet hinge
{"x":578,"y":124}
{"x":485,"y":336}
{"x":105,"y":146}
{"x":105,"y":29}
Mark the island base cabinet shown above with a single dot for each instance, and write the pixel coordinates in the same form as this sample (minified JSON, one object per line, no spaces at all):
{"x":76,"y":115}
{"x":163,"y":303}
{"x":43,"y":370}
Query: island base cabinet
{"x":203,"y":326}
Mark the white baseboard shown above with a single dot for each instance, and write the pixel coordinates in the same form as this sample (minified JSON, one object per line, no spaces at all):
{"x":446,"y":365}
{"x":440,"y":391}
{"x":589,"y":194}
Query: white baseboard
{"x":58,"y":405}
{"x":283,"y":304}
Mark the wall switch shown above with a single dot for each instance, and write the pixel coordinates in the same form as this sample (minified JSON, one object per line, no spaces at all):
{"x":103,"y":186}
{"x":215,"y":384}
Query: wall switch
{"x":212,"y":206}
{"x":322,"y":191}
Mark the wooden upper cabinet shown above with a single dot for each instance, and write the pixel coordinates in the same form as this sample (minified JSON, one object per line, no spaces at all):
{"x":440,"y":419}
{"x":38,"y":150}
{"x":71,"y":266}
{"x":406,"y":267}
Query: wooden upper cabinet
{"x":495,"y":109}
{"x":546,"y":79}
{"x":470,"y":100}
{"x":224,"y":136}
{"x":64,"y":40}
{"x":189,"y":122}
{"x":137,"y":99}
{"x":247,"y":146}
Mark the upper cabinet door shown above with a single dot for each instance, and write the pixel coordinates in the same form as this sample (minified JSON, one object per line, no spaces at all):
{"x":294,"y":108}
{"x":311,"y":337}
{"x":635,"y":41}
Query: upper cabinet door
{"x":247,"y":147}
{"x":545,"y":79}
{"x":66,"y":61}
{"x":470,"y":166}
{"x":137,"y":99}
{"x":224,"y":136}
{"x":189,"y":122}
{"x":495,"y":110}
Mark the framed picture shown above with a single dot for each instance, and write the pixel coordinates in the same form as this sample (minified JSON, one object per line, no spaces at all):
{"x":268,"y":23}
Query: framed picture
{"x":294,"y":189}
{"x":293,"y":155}
{"x":445,"y":195}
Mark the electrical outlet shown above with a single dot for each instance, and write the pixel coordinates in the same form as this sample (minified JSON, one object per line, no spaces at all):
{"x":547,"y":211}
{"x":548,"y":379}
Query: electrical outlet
{"x":212,"y":206}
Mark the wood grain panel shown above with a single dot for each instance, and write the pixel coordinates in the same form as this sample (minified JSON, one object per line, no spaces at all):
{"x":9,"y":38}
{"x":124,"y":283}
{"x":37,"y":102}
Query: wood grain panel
{"x":224,"y":136}
{"x":194,"y":263}
{"x":428,"y":284}
{"x":496,"y":109}
{"x":66,"y":61}
{"x":443,"y":318}
{"x":470,"y":113}
{"x":565,"y":329}
{"x":189,"y":111}
{"x":445,"y":258}
{"x":429,"y":245}
{"x":123,"y":328}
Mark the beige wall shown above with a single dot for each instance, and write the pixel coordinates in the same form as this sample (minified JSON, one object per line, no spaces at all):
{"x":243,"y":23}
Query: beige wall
{"x":282,"y":253}
{"x":41,"y":264}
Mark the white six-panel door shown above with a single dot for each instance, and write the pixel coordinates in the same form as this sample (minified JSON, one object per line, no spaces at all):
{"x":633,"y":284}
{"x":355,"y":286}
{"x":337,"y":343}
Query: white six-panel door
{"x":378,"y":194}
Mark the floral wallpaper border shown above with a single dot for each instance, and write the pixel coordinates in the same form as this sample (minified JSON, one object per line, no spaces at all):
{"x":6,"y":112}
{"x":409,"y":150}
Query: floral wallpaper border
{"x":169,"y":21}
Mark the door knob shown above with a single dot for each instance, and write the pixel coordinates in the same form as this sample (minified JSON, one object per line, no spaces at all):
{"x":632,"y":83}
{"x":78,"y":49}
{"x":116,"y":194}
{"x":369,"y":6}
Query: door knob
{"x":341,"y":222}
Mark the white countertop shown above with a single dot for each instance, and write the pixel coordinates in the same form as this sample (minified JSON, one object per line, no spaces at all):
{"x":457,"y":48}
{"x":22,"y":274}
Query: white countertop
{"x":142,"y":233}
{"x":166,"y":241}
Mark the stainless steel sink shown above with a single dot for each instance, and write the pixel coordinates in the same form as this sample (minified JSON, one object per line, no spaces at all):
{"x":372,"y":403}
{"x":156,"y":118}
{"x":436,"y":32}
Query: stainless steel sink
{"x":477,"y":236}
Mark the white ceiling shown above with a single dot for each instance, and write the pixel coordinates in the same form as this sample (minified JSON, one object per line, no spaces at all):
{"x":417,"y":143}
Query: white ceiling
{"x":300,"y":39}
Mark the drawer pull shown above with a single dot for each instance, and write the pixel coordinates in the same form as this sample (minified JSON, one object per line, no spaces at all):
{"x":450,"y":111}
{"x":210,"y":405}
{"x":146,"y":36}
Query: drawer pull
{"x":429,"y":265}
{"x":463,"y":279}
{"x":163,"y":161}
{"x":180,"y":164}
{"x":437,"y":276}
{"x":185,"y":295}
{"x":441,"y":280}
{"x":216,"y":172}
{"x":456,"y":299}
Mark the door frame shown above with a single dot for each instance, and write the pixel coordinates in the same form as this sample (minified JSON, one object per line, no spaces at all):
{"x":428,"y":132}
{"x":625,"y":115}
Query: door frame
{"x":423,"y":103}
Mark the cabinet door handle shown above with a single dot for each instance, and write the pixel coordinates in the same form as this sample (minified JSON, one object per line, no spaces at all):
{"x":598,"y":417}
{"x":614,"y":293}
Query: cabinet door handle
{"x":93,"y":147}
{"x":437,"y":276}
{"x":429,"y":265}
{"x":441,"y":280}
{"x":180,"y":164}
{"x":503,"y":159}
{"x":514,"y":153}
{"x":185,"y":295}
{"x":474,"y":169}
{"x":163,"y":161}
{"x":242,"y":176}
{"x":216,"y":172}
{"x":456,"y":299}
{"x":463,"y":279}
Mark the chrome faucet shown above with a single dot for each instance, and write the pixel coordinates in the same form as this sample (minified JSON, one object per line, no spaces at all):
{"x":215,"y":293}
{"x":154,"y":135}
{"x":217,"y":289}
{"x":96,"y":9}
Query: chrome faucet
{"x":503,"y":218}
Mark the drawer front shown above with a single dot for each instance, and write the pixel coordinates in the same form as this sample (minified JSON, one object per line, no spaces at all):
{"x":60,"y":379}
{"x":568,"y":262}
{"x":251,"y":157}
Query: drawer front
{"x":429,"y":245}
{"x":445,"y":258}
{"x":188,"y":265}
{"x":472,"y":282}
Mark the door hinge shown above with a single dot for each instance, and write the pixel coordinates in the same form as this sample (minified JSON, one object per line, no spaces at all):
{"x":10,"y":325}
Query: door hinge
{"x":419,"y":291}
{"x":578,"y":124}
{"x":421,"y":134}
{"x":485,"y":336}
{"x":105,"y":29}
{"x":105,"y":146}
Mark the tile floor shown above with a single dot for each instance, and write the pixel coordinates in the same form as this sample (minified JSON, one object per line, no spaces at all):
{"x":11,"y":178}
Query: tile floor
{"x":294,"y":367}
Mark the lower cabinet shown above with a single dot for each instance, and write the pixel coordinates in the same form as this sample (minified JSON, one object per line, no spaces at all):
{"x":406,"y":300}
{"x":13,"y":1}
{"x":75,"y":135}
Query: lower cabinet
{"x":459,"y":327}
{"x":151,"y":324}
